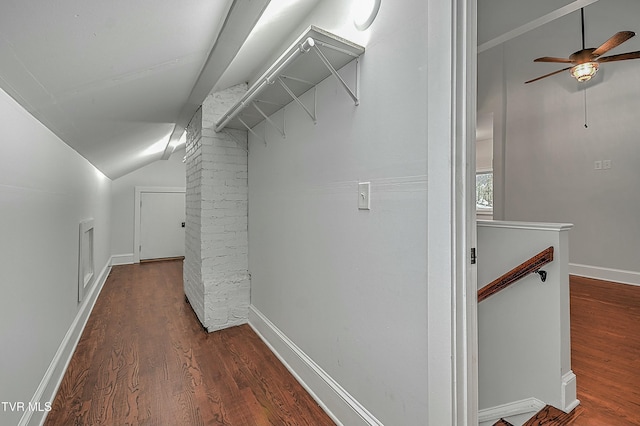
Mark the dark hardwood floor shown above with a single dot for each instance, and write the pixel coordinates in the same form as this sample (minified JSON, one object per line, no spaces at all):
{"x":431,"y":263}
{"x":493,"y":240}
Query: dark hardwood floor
{"x":605,"y":351}
{"x":551,"y":416}
{"x":144,"y":359}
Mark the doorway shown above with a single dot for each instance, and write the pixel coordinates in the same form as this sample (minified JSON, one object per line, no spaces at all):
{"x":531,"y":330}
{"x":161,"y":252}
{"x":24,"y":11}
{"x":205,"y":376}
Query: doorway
{"x":159,"y":223}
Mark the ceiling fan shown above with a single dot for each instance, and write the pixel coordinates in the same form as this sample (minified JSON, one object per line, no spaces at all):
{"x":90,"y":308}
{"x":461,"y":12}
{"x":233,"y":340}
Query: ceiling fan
{"x":585,"y":62}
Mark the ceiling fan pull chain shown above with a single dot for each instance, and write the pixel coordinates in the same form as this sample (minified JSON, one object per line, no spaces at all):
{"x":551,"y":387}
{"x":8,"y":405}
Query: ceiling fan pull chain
{"x":585,"y":108}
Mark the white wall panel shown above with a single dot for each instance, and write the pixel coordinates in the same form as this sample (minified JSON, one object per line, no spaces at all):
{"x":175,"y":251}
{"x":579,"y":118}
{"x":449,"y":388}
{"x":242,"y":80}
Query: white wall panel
{"x":350,"y":287}
{"x":46,"y":190}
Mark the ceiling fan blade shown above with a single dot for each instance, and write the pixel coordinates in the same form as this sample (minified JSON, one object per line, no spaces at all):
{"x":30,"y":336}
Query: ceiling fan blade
{"x":620,"y":57}
{"x":551,"y":59}
{"x":547,"y":75}
{"x":614,"y":41}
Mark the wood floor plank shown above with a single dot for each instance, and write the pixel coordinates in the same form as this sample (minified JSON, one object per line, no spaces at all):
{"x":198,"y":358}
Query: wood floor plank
{"x":605,"y":351}
{"x":551,"y":416}
{"x":144,"y":359}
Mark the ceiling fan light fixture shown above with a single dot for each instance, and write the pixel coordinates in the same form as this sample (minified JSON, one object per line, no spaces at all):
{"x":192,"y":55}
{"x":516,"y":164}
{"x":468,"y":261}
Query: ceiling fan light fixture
{"x":584,"y":72}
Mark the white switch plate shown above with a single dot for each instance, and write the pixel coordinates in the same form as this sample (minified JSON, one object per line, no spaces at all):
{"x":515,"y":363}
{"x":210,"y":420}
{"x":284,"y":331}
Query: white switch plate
{"x":597,"y":165}
{"x":364,"y":195}
{"x":606,"y":164}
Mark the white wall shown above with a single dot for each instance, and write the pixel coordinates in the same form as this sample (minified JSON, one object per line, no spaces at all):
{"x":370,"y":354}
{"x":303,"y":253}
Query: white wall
{"x":349,"y":287}
{"x":46,"y":189}
{"x":548,"y":164}
{"x":484,"y":155}
{"x":491,"y":103}
{"x":514,"y":324}
{"x":169,"y":173}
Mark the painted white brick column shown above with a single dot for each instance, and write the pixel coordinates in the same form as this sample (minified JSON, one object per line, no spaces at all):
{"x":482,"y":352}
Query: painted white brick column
{"x":216,"y":275}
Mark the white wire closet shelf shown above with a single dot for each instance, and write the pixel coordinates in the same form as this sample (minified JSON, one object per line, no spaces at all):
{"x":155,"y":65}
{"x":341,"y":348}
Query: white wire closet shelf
{"x":316,"y":55}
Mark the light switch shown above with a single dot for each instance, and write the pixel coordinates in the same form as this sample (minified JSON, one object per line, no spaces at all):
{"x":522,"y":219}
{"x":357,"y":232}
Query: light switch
{"x":364,"y":194}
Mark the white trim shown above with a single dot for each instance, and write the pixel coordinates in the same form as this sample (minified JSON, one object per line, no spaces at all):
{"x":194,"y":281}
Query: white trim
{"x":343,"y":408}
{"x":606,"y":274}
{"x":50,"y":383}
{"x":536,"y":226}
{"x":569,"y":392}
{"x":515,"y":408}
{"x":85,"y":257}
{"x":462,"y":228}
{"x":532,"y":405}
{"x":136,"y":209}
{"x":122,"y":259}
{"x":484,"y":214}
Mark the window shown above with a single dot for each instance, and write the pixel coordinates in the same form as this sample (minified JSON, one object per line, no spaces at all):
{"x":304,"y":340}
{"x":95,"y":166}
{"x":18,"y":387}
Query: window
{"x":484,"y":191}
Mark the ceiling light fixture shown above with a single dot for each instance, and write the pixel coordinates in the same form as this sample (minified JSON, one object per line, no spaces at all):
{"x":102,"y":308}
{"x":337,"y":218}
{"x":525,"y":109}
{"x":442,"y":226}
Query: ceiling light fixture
{"x":584,"y":72}
{"x":364,"y":12}
{"x":585,"y":62}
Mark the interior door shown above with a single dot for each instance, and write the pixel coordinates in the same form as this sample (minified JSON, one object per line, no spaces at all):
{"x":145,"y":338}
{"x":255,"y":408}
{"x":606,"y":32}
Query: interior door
{"x":162,"y":215}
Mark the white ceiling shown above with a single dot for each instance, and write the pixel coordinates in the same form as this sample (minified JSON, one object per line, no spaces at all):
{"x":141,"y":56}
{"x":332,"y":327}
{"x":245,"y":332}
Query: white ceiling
{"x":118,"y":80}
{"x":113,"y":78}
{"x":497,"y":17}
{"x":554,"y":25}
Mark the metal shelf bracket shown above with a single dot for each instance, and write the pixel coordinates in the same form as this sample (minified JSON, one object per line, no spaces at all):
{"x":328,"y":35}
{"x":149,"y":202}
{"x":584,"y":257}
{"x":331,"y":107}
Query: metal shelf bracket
{"x":299,"y":102}
{"x":303,"y":72}
{"x":323,"y":58}
{"x":270,"y":121}
{"x":253,"y":132}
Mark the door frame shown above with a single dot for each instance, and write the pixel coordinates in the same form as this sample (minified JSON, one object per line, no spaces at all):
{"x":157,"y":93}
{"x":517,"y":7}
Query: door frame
{"x":137,"y":203}
{"x":451,"y":222}
{"x":463,"y":218}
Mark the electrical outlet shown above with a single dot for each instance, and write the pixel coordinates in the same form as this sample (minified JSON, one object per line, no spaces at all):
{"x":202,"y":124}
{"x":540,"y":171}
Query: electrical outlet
{"x":364,"y":194}
{"x":606,"y":164}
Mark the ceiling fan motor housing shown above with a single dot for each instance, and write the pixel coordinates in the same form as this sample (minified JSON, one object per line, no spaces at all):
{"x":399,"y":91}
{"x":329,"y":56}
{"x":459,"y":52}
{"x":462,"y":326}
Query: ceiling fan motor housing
{"x":582,"y":56}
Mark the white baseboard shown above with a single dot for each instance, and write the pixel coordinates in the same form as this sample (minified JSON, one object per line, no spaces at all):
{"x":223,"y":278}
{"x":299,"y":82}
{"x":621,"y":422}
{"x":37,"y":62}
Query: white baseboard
{"x":511,"y":409}
{"x":343,"y":408}
{"x":530,"y":406}
{"x":48,"y":387}
{"x":122,"y":259}
{"x":569,"y":393}
{"x":607,"y":274}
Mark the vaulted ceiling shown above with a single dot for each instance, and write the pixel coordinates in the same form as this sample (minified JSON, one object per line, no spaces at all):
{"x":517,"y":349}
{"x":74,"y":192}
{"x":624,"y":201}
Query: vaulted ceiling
{"x":118,"y":80}
{"x":524,"y":30}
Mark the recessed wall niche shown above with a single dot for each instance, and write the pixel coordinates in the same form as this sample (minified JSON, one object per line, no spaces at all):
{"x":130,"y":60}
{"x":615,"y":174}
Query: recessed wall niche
{"x":85,"y":258}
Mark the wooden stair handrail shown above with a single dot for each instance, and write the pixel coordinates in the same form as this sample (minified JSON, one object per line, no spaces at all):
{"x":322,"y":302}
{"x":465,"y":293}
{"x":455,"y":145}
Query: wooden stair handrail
{"x":532,"y":265}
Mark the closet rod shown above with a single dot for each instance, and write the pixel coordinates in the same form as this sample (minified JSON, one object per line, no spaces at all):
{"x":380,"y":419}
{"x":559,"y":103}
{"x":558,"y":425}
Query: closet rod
{"x":255,"y":90}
